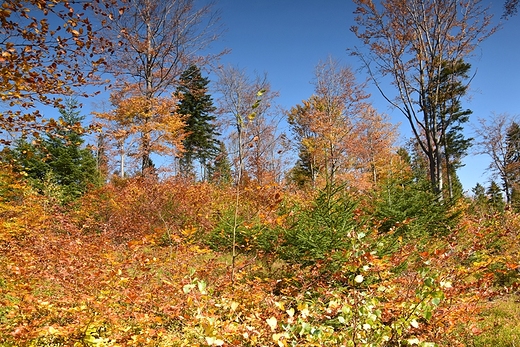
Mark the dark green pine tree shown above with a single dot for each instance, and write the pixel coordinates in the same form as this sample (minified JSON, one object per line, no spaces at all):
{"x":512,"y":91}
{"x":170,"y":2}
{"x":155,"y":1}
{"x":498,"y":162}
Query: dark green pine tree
{"x":406,"y":205}
{"x":495,"y":198}
{"x":304,"y":171}
{"x":220,"y":171}
{"x":480,"y":200}
{"x":452,"y":117}
{"x":60,"y":157}
{"x":512,"y":166}
{"x":197,"y":105}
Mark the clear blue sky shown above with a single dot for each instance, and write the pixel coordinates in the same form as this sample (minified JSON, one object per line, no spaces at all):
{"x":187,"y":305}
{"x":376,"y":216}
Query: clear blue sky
{"x":287,"y":38}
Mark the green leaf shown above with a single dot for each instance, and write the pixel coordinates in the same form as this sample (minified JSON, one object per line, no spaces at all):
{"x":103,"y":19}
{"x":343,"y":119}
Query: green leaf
{"x":429,"y":282}
{"x":427,"y":314}
{"x":187,"y":288}
{"x":202,"y":287}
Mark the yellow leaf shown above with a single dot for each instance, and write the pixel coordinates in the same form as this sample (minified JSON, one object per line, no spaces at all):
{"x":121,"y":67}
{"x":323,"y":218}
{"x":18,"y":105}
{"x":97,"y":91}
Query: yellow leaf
{"x":53,"y":331}
{"x":167,"y":282}
{"x":280,"y":305}
{"x":290,"y":312}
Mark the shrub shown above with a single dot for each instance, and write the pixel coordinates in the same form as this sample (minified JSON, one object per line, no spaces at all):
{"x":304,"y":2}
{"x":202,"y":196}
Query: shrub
{"x":411,"y":210}
{"x":252,"y":235}
{"x":314,"y":232}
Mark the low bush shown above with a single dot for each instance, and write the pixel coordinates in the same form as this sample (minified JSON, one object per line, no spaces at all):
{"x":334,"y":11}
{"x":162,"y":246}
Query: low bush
{"x":309,"y":273}
{"x":313,"y":233}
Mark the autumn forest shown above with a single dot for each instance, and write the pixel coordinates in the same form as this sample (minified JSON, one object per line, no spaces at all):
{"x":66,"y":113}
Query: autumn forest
{"x":186,"y":209}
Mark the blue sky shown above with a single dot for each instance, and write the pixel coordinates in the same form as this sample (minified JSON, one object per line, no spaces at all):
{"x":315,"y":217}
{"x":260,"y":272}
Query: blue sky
{"x":287,"y":38}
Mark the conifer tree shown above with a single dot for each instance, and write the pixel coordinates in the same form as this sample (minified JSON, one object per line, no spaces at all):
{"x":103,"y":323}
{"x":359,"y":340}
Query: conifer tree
{"x":495,"y":197}
{"x":513,"y":163}
{"x":452,"y":118}
{"x":60,"y":157}
{"x":304,"y":170}
{"x":479,"y":193}
{"x":220,"y":171}
{"x":409,"y":42}
{"x":197,"y":106}
{"x":499,"y":137}
{"x":480,"y":200}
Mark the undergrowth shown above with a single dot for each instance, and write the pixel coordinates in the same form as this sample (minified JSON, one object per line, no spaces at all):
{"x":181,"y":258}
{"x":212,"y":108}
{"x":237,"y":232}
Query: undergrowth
{"x":152,"y":267}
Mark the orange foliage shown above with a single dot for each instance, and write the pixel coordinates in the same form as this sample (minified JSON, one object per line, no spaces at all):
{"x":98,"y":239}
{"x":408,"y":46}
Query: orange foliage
{"x":22,"y":210}
{"x":145,"y":124}
{"x":127,"y":266}
{"x":46,"y":51}
{"x":133,"y":208}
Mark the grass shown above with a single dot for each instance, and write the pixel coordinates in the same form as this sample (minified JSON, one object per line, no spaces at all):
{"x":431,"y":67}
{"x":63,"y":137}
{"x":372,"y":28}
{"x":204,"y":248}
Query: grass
{"x":500,"y":324}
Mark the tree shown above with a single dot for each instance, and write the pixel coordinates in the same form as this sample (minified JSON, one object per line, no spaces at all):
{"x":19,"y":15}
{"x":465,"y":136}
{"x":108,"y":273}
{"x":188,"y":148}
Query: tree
{"x":102,"y":159}
{"x":141,"y":126}
{"x":307,"y":166}
{"x":375,"y":138}
{"x":61,"y":156}
{"x":303,"y":171}
{"x":265,"y":150}
{"x":495,"y":197}
{"x":220,"y":171}
{"x":404,"y":205}
{"x":479,"y":197}
{"x":196,"y":106}
{"x":452,"y":117}
{"x":323,"y":125}
{"x":416,"y":159}
{"x":510,"y":8}
{"x":479,"y":193}
{"x":48,"y":48}
{"x":157,"y":41}
{"x":492,"y":136}
{"x":410,"y":42}
{"x":245,"y":100}
{"x":370,"y":146}
{"x":513,"y":162}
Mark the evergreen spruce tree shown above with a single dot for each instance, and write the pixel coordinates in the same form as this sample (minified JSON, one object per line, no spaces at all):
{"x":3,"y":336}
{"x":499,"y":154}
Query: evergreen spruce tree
{"x":495,"y":197}
{"x":513,"y":165}
{"x":197,"y":105}
{"x":450,"y":141}
{"x":60,"y":157}
{"x":452,"y":117}
{"x":303,"y":172}
{"x":220,"y":171}
{"x":413,"y":156}
{"x":406,"y":205}
{"x":479,"y":194}
{"x":479,"y":199}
